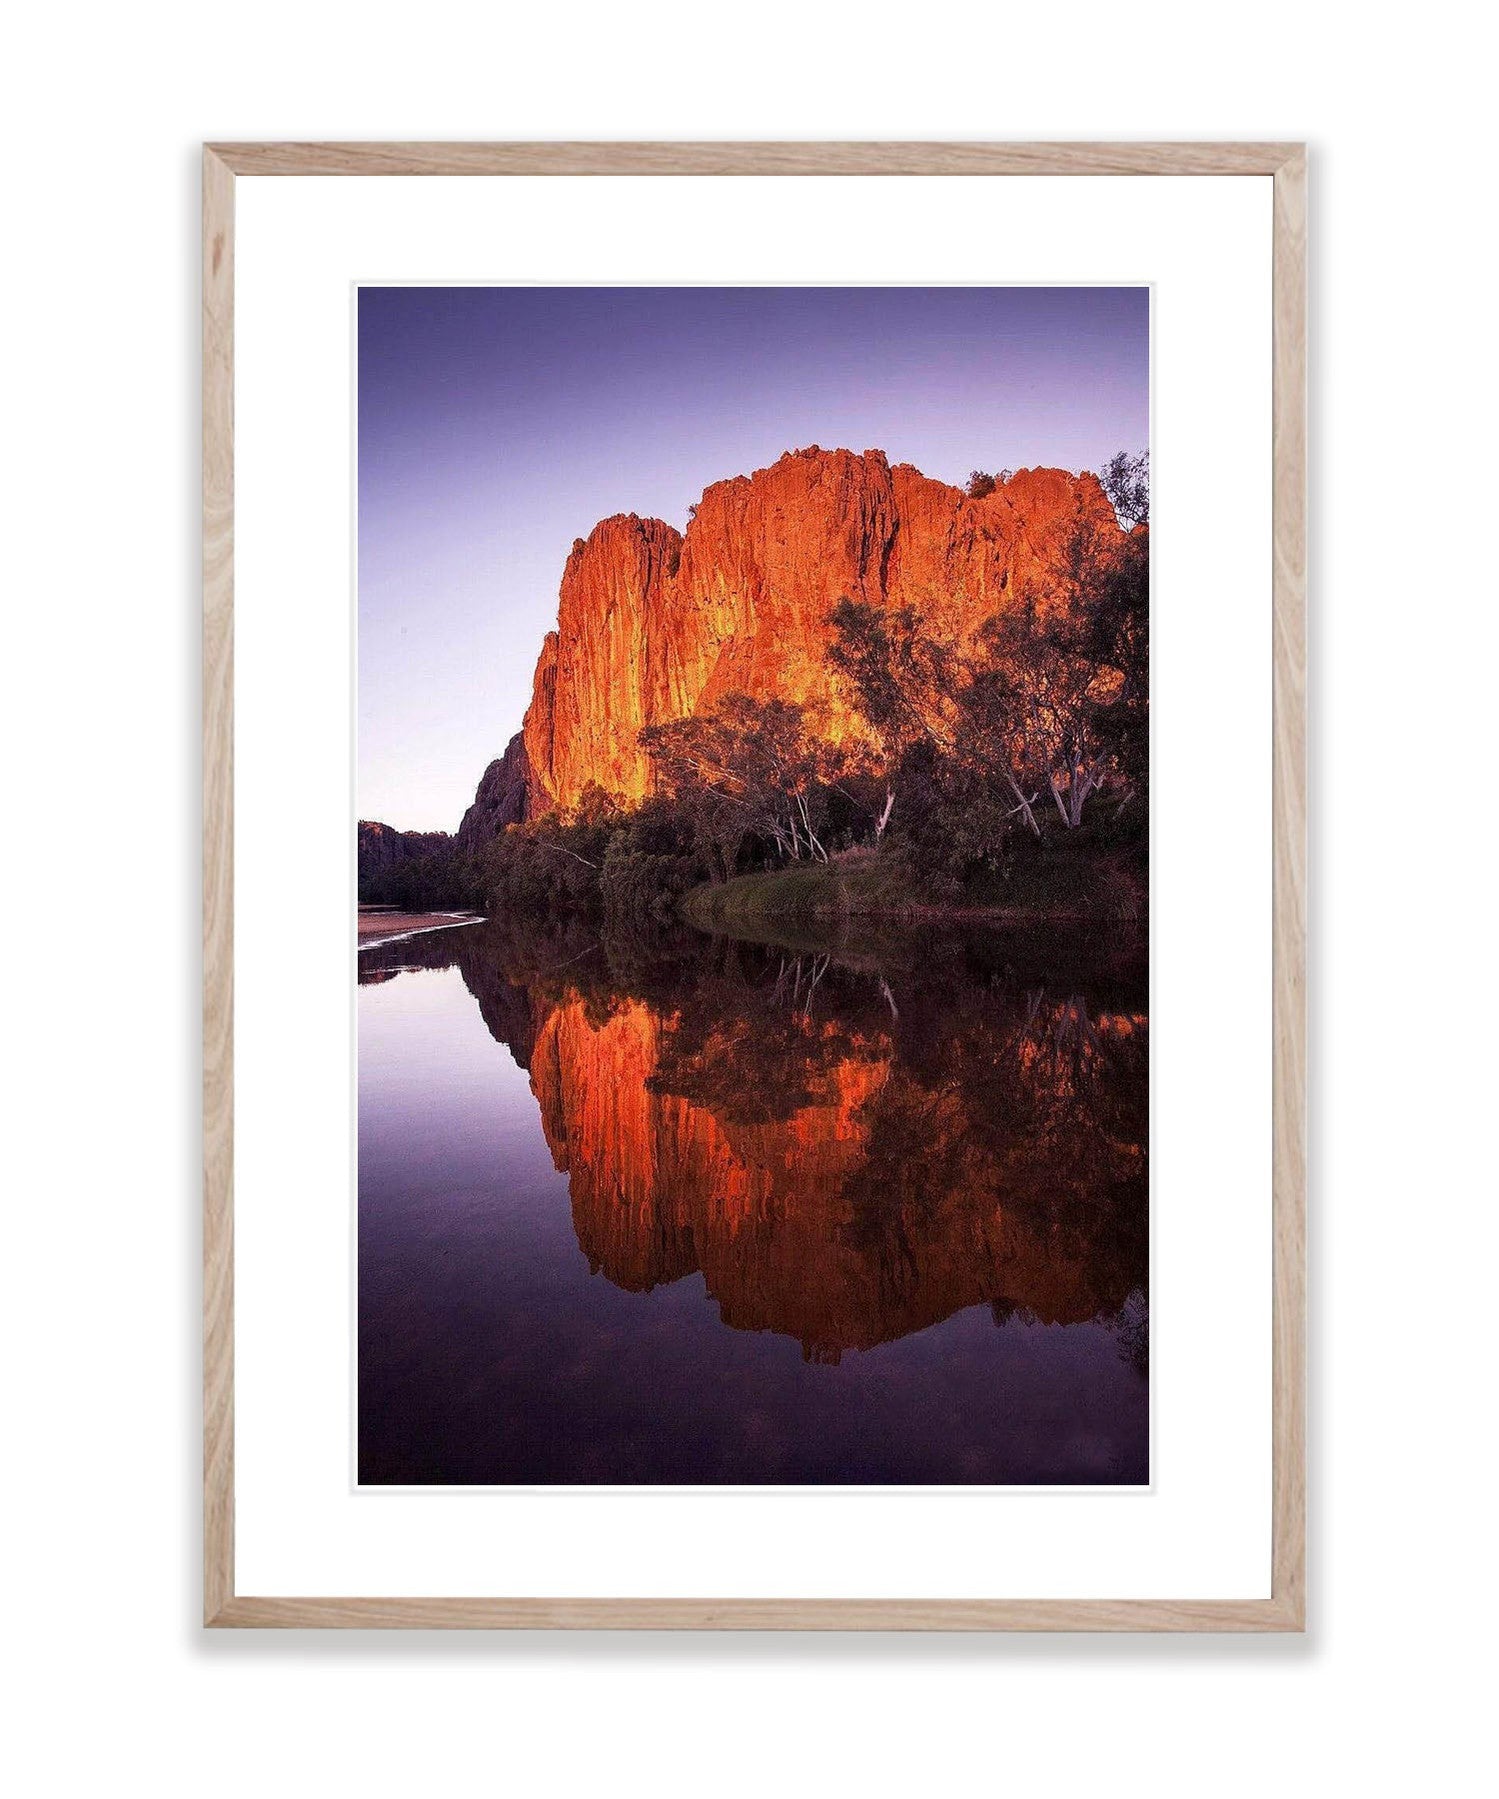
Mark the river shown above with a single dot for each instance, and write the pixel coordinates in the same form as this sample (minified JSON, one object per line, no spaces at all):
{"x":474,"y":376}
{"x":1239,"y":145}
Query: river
{"x":653,"y":1207}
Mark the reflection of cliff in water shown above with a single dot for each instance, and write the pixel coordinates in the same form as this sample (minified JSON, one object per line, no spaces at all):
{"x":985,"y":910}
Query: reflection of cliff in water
{"x":849,"y":1147}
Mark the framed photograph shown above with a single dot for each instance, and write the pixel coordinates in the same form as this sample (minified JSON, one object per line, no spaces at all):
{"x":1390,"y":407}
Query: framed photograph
{"x":754,"y":904}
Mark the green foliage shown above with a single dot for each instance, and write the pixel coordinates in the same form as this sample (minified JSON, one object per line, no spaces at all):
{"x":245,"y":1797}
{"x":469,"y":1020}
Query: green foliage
{"x":1046,"y":708}
{"x":1126,"y":481}
{"x":746,"y":769}
{"x":950,"y":819}
{"x":649,"y":864}
{"x":600,"y":859}
{"x":901,"y":674}
{"x":550,"y":865}
{"x":981,"y":484}
{"x":441,"y":882}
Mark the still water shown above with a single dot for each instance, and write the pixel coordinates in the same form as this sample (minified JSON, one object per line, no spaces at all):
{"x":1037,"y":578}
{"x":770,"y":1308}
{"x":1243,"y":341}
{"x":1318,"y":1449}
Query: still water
{"x":669,"y":1208}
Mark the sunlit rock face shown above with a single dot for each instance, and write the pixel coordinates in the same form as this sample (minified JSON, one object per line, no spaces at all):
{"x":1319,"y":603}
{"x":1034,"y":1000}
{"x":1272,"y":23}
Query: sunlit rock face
{"x":654,"y":625}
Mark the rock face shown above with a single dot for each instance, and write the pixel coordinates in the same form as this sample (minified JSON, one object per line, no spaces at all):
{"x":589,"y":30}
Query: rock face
{"x":381,"y":847}
{"x":654,"y":625}
{"x":502,"y":798}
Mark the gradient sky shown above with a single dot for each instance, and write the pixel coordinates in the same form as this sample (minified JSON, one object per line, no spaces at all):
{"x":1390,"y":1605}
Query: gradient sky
{"x":498,"y":424}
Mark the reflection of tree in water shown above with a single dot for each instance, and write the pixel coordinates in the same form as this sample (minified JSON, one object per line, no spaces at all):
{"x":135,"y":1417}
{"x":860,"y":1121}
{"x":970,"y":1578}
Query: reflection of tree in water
{"x":1131,"y":1327}
{"x":914,"y":1161}
{"x":1025,"y":1128}
{"x":1057,"y":1098}
{"x":748,"y":1044}
{"x":850,"y":1144}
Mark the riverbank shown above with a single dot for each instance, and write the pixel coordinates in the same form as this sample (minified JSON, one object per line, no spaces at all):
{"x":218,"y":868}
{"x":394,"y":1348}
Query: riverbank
{"x":381,"y":924}
{"x":1054,"y":891}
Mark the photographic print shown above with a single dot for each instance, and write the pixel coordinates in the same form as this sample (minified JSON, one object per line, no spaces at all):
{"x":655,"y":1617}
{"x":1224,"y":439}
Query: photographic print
{"x":753,"y":875}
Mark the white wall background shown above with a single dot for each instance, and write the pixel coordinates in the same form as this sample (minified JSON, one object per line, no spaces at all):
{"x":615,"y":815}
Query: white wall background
{"x":103,"y":108}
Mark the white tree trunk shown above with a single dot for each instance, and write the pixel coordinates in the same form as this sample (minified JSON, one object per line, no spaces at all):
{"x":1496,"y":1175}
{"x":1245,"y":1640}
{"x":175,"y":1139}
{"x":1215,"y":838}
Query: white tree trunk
{"x":1056,"y":794}
{"x":1025,"y":804}
{"x":884,"y":817}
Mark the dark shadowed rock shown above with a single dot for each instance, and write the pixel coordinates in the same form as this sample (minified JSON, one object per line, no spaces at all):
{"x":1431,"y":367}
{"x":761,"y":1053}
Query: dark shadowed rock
{"x":502,"y":799}
{"x":382,"y":847}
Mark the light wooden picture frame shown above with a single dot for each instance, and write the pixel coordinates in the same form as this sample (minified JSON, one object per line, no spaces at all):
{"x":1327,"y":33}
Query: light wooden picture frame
{"x":1284,"y":1610}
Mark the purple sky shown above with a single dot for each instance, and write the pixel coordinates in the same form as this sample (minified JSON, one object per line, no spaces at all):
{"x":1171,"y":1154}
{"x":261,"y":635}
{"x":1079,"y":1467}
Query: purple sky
{"x":497,"y":424}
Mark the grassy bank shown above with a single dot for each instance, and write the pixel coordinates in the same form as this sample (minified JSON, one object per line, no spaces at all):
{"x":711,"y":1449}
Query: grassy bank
{"x":863,"y":886}
{"x":1053,"y":887}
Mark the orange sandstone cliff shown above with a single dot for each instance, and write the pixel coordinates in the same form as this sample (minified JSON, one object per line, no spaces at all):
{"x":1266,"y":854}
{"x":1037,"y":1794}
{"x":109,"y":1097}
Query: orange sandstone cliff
{"x":654,"y":625}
